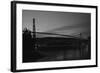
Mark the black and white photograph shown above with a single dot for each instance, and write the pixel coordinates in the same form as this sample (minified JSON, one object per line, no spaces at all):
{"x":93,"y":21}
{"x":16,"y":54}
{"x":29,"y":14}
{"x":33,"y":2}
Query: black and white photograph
{"x":55,"y":36}
{"x":47,"y":36}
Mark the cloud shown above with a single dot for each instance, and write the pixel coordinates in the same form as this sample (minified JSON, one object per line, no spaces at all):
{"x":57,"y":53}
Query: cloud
{"x":83,"y":26}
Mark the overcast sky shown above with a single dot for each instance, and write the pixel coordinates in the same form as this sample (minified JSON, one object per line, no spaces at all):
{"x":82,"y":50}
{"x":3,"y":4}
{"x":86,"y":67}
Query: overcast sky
{"x":67,"y":23}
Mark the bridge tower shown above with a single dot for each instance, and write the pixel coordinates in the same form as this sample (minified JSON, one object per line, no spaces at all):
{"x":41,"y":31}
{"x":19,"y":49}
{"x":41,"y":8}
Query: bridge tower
{"x":34,"y":31}
{"x":34,"y":34}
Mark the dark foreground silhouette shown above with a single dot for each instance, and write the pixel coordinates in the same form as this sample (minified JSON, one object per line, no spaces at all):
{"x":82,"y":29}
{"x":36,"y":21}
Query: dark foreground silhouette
{"x":54,"y":48}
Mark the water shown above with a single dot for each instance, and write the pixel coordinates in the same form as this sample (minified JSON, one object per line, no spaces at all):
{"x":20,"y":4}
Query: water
{"x":64,"y":54}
